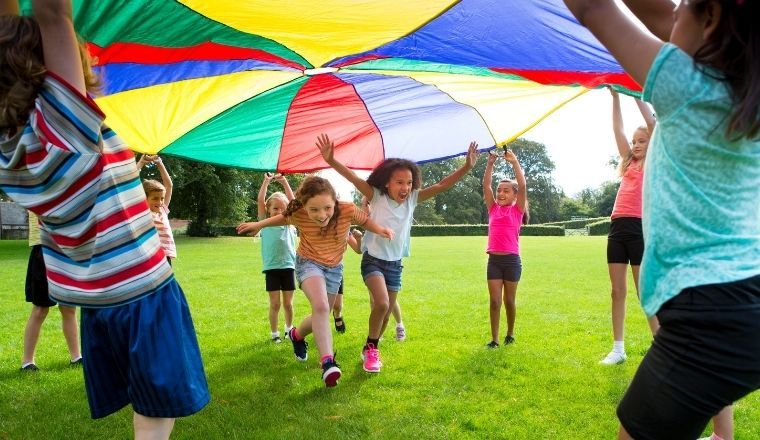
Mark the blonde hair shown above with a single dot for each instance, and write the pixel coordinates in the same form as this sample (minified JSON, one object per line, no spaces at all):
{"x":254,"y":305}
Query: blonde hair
{"x":24,"y":70}
{"x":151,"y":186}
{"x":626,"y":162}
{"x":276,"y":196}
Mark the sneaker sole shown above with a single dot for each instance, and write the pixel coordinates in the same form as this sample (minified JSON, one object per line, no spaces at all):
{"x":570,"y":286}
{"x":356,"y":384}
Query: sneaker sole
{"x":302,"y":359}
{"x":331,"y":376}
{"x":369,"y":370}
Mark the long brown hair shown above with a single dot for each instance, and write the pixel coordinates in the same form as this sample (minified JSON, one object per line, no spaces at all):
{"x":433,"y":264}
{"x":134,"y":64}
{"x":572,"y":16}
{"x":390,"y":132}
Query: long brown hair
{"x":732,"y":52}
{"x":381,"y":175}
{"x":22,"y":70}
{"x":310,"y":187}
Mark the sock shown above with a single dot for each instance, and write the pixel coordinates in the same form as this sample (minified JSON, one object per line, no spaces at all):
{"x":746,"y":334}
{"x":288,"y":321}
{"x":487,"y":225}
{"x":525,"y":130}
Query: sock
{"x":76,"y":359}
{"x":275,"y":334}
{"x":294,"y":334}
{"x":287,"y":329}
{"x":374,"y":342}
{"x":618,"y":347}
{"x":25,"y":364}
{"x":324,"y":358}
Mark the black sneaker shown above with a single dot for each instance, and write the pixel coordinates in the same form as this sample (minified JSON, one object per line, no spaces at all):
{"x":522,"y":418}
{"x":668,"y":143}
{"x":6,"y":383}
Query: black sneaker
{"x":492,"y":344}
{"x":330,"y":372}
{"x":509,"y":340}
{"x":300,"y":348}
{"x":340,"y":325}
{"x":76,"y":362}
{"x":30,"y":367}
{"x":277,"y":339}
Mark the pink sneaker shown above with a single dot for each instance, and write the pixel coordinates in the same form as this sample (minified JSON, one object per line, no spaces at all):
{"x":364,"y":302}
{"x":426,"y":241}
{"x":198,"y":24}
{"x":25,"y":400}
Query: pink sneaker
{"x":371,"y":357}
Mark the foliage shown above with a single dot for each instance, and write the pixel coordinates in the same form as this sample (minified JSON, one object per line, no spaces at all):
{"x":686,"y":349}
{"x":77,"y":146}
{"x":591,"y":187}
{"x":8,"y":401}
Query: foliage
{"x":441,"y":382}
{"x":570,"y":208}
{"x":601,"y":227}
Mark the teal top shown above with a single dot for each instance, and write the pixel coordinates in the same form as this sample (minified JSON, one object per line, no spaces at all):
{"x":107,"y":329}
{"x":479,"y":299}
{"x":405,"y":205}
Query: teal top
{"x":278,"y":248}
{"x":701,"y":208}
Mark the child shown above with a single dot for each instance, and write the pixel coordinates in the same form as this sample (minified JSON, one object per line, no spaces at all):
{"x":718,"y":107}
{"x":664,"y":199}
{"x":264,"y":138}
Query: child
{"x":159,"y":196}
{"x":393,"y":189}
{"x":278,"y":244}
{"x":626,"y":241}
{"x":37,"y":294}
{"x":701,"y":214}
{"x":101,"y":250}
{"x":505,"y":217}
{"x":323,"y":224}
{"x":337,"y":309}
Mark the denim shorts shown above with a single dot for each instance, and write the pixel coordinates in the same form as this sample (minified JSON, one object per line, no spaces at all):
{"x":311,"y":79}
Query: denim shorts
{"x":306,"y":268}
{"x":390,"y":270}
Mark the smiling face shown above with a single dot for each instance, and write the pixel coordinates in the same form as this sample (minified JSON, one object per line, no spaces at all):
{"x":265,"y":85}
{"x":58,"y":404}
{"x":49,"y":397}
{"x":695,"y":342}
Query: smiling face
{"x":156,"y":200}
{"x":399,"y":186}
{"x":505,"y":194}
{"x":276,"y":206}
{"x":320,"y":208}
{"x":640,"y":143}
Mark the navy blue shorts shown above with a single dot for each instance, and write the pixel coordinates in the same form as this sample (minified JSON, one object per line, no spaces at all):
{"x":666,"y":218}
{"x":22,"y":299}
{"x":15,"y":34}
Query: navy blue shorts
{"x":389,"y":270}
{"x":705,"y":356}
{"x":504,"y":267}
{"x":625,"y":243}
{"x":144,"y":353}
{"x":36,"y":288}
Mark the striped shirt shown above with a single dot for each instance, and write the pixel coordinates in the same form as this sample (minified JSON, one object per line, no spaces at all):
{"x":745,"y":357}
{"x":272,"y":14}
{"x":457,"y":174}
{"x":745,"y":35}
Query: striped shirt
{"x":326,"y":247}
{"x":161,"y":220}
{"x":100,"y":246}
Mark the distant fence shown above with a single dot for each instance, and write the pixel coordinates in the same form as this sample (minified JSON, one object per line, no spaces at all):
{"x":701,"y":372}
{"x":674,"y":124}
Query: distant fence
{"x":13,"y":222}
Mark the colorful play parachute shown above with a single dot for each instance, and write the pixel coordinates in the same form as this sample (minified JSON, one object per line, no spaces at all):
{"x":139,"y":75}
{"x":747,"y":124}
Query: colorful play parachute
{"x":252,"y":84}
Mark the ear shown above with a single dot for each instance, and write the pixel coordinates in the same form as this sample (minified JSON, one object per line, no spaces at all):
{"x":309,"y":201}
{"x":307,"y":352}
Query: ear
{"x":713,"y":11}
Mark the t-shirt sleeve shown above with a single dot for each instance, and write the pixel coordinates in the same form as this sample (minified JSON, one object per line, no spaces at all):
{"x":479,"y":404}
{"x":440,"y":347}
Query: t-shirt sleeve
{"x":66,"y":119}
{"x":358,"y":217}
{"x":672,"y":81}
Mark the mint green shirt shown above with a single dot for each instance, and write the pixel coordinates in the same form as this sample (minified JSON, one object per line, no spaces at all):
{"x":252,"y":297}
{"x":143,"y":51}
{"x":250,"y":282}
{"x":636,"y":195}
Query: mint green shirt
{"x":278,"y":247}
{"x":701,"y":209}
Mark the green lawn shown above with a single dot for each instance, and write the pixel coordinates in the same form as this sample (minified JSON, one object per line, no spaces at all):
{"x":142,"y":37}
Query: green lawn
{"x":440,"y":383}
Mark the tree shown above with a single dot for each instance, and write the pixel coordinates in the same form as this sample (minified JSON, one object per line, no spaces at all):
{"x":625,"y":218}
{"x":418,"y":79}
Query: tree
{"x":570,"y":208}
{"x":544,"y":197}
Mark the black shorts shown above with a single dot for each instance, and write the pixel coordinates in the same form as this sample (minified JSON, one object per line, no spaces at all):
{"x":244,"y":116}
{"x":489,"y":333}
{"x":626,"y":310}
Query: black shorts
{"x":280,"y":279}
{"x":504,"y":267}
{"x":705,"y":356}
{"x":625,"y":243}
{"x":36,"y":280}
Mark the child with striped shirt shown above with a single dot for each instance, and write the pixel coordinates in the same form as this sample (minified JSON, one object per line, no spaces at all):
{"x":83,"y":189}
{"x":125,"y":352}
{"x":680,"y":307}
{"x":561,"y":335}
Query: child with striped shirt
{"x":159,"y":196}
{"x":101,"y":250}
{"x":323,"y":224}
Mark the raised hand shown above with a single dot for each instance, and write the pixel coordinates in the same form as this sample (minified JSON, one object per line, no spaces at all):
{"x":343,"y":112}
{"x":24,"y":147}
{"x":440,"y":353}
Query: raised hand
{"x":472,"y":155}
{"x":280,"y":178}
{"x":250,"y":228}
{"x":492,"y":158}
{"x":509,"y":155}
{"x":326,"y":147}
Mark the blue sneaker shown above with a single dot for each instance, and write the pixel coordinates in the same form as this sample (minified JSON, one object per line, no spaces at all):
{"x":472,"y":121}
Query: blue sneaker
{"x":300,"y":348}
{"x":330,"y":372}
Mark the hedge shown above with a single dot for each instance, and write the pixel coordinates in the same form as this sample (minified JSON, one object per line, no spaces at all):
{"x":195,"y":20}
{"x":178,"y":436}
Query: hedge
{"x":441,"y":230}
{"x":599,"y":228}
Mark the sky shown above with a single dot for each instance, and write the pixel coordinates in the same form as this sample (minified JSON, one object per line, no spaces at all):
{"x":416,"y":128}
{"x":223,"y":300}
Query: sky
{"x":578,"y":138}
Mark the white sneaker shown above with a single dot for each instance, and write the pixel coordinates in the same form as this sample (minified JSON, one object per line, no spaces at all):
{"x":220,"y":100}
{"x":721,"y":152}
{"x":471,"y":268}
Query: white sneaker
{"x":614,"y":358}
{"x":400,"y":332}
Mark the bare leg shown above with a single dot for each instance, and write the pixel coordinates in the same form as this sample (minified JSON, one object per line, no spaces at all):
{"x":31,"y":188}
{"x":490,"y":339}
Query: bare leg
{"x":70,"y":330}
{"x":494,"y":307}
{"x":654,"y":324}
{"x":618,"y":278}
{"x":623,"y":434}
{"x":32,"y":332}
{"x":380,"y":304}
{"x":274,"y":309}
{"x":318,"y":322}
{"x":396,"y":310}
{"x":723,"y":423}
{"x":287,"y":307}
{"x":392,"y":297}
{"x":510,"y":292}
{"x":152,"y":428}
{"x":337,"y":308}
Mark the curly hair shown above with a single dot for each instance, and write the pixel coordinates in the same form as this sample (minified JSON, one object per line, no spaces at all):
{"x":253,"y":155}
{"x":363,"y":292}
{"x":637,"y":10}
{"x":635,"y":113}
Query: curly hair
{"x":732,"y":52}
{"x":310,"y":187}
{"x":22,"y":70}
{"x":381,"y":175}
{"x":151,"y":186}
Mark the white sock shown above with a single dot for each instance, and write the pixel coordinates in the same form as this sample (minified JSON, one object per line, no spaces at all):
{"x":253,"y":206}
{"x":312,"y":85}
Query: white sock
{"x":399,"y":324}
{"x":288,"y":329}
{"x":275,"y":334}
{"x":618,"y":347}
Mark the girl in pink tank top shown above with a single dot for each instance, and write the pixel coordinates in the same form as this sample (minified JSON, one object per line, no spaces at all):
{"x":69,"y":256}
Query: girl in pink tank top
{"x":506,"y":212}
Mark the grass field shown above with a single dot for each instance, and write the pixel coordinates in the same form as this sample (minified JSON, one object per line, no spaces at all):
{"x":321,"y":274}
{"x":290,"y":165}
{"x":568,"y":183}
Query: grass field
{"x":440,"y":383}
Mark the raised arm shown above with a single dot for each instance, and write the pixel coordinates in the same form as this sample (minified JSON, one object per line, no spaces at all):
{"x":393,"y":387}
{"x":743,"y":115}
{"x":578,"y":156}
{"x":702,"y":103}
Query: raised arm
{"x":449,"y":181}
{"x":165,"y":179}
{"x":59,"y":41}
{"x":285,"y":186}
{"x":522,"y":193}
{"x":656,"y":15}
{"x":327,"y":148}
{"x":487,"y":176}
{"x":624,"y":148}
{"x":631,"y":46}
{"x":646,"y":112}
{"x":253,"y":228}
{"x":261,"y":200}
